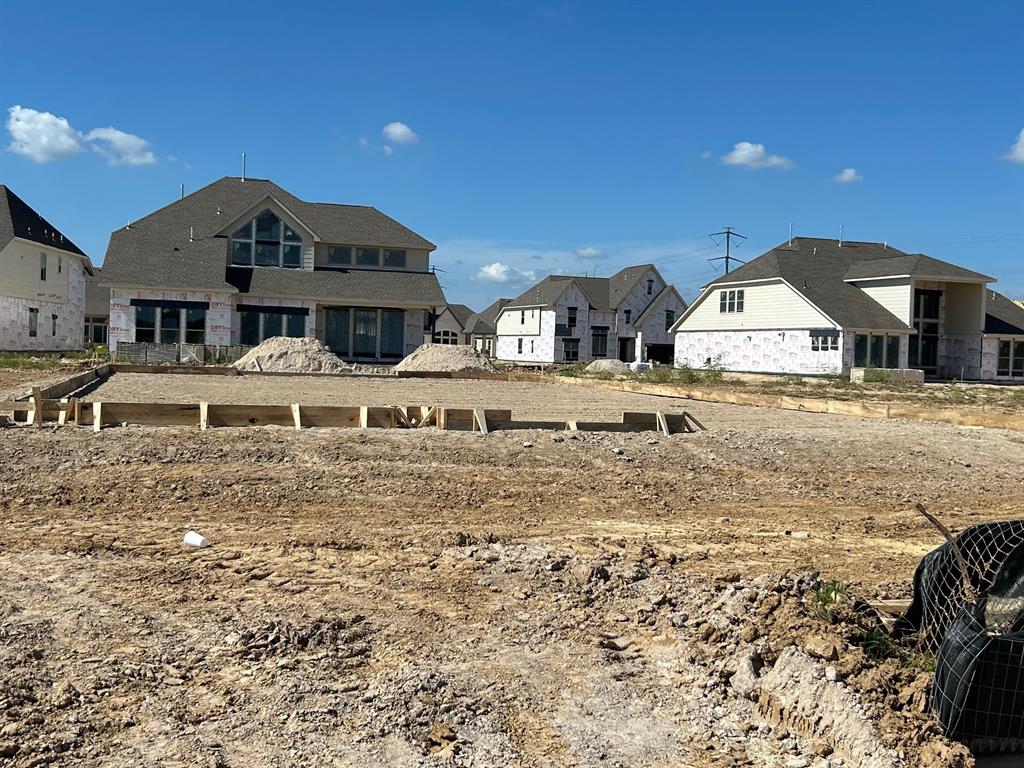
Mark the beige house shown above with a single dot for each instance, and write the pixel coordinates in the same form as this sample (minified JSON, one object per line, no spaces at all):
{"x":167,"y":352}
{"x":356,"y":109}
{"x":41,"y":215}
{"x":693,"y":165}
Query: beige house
{"x":42,"y":281}
{"x":450,"y":325}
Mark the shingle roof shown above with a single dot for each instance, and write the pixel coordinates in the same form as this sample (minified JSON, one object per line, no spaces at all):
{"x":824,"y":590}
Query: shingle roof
{"x":817,"y":268}
{"x":97,"y":297}
{"x":156,"y":249}
{"x":603,"y":293}
{"x":914,"y":264}
{"x":460,"y":312}
{"x":1003,"y":316}
{"x":484,"y":322}
{"x":19,"y":219}
{"x":379,"y":286}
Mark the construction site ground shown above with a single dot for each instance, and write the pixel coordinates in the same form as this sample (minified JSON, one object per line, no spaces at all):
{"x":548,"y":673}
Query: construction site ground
{"x":430,"y":598}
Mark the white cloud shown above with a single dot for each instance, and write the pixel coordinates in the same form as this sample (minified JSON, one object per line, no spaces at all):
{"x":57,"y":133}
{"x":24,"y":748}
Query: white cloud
{"x":590,"y":252}
{"x":847,"y":176}
{"x":496,"y":272}
{"x":44,"y":138}
{"x":400,"y":133}
{"x":1016,"y":153}
{"x":41,"y":136}
{"x":120,"y":148}
{"x":754,"y":156}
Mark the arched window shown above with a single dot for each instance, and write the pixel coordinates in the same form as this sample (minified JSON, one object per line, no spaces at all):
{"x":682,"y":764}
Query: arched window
{"x":446,"y":337}
{"x":266,"y":241}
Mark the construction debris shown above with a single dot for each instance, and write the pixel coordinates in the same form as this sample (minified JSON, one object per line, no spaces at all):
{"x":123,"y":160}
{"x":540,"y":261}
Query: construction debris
{"x":446,"y":358}
{"x":283,"y":354}
{"x":607,"y":366}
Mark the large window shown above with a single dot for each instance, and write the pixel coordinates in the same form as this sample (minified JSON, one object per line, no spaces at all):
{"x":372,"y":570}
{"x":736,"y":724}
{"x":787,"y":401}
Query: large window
{"x":257,"y":324}
{"x":95,"y":330}
{"x":145,"y":324}
{"x":571,"y":318}
{"x":730,"y":301}
{"x":33,"y":322}
{"x":599,"y":341}
{"x":670,"y":317}
{"x":393,"y":258}
{"x":392,"y":332}
{"x":339,"y":255}
{"x":364,"y":333}
{"x":368,"y":257}
{"x":175,"y":322}
{"x":923,"y":351}
{"x":825,"y":343}
{"x":876,"y":351}
{"x":571,"y":350}
{"x":1010,"y":360}
{"x":266,"y":241}
{"x":446,"y":337}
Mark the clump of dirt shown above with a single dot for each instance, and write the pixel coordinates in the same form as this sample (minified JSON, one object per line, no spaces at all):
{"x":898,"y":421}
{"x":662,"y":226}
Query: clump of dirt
{"x":280,"y":353}
{"x":342,"y":638}
{"x":446,"y":358}
{"x":607,"y":366}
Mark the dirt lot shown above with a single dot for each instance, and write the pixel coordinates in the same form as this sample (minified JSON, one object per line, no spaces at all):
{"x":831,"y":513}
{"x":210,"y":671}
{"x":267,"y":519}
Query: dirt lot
{"x":425,"y":598}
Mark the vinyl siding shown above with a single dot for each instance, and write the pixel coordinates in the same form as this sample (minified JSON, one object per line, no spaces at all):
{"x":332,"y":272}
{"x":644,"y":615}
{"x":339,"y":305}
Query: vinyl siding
{"x":894,"y":295}
{"x":510,"y":324}
{"x":766,"y":306}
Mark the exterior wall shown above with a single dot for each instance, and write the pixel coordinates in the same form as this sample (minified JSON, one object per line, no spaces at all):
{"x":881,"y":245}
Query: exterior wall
{"x":307,"y":240}
{"x":68,"y":304}
{"x":653,"y":327}
{"x":543,"y":342}
{"x":415,"y":260}
{"x":849,"y":338}
{"x":220,"y":317}
{"x":965,"y":308}
{"x":964,"y":356}
{"x":895,"y":295}
{"x":989,"y":358}
{"x":636,"y":301}
{"x":509,"y":322}
{"x":19,"y":266}
{"x":786,"y":351}
{"x":447,"y":322}
{"x":766,"y":306}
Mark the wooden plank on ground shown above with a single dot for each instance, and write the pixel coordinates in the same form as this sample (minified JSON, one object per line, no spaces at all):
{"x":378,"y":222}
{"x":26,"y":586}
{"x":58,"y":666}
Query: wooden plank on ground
{"x":428,"y":417}
{"x":613,"y":426}
{"x":690,"y":417}
{"x":662,"y":423}
{"x":330,"y":416}
{"x":480,"y":420}
{"x":189,"y":370}
{"x":148,"y":414}
{"x":677,"y":423}
{"x":249,"y":415}
{"x":509,"y":424}
{"x":72,"y":384}
{"x":459,"y":419}
{"x":646,"y":420}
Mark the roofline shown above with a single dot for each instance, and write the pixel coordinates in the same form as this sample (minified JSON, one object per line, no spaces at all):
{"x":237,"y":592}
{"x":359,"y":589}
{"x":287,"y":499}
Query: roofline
{"x":140,"y":287}
{"x":285,"y":208}
{"x":711,"y":286}
{"x":88,"y":262}
{"x":662,"y":293}
{"x":982,"y":280}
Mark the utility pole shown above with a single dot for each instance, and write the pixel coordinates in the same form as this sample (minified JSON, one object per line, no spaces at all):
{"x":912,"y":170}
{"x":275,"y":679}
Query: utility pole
{"x":728,"y":233}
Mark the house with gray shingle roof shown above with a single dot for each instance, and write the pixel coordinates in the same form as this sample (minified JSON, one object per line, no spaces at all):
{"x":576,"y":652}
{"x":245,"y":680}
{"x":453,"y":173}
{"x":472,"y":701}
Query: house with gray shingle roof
{"x":241,"y":260}
{"x":816,"y":306}
{"x":568,"y":319}
{"x":42,"y":281}
{"x":450,"y":325}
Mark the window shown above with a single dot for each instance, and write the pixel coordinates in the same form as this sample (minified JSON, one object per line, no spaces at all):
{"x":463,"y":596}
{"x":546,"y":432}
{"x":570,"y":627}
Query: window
{"x":571,"y":350}
{"x":650,"y":287}
{"x":95,"y":330}
{"x":522,"y":317}
{"x":60,"y":264}
{"x":1010,"y":360}
{"x":33,"y":323}
{"x":170,"y":325}
{"x":256,"y":326}
{"x":876,"y":351}
{"x":42,"y":266}
{"x":53,"y":325}
{"x":339,"y":255}
{"x":364,"y":333}
{"x":272,"y":324}
{"x":295,"y":326}
{"x":730,"y":301}
{"x":628,"y":315}
{"x":392,"y":332}
{"x":368,"y":257}
{"x":249,"y":323}
{"x":446,"y":337}
{"x":145,"y":324}
{"x":825,"y":343}
{"x":519,"y":346}
{"x":195,"y":326}
{"x":394,"y":258}
{"x":531,"y":346}
{"x":598,"y":342}
{"x":571,"y":318}
{"x":670,"y":317}
{"x":266,"y":241}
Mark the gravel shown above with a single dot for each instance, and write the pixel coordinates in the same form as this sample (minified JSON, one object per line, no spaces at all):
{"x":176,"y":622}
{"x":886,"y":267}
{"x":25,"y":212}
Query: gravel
{"x":446,"y":358}
{"x":303,"y":355}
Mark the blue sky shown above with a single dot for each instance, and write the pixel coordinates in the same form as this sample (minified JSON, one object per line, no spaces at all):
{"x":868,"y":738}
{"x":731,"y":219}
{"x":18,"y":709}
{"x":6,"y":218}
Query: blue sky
{"x":539,"y":137}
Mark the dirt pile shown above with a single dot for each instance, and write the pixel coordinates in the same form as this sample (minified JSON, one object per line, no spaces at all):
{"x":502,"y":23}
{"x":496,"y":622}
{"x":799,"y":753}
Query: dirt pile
{"x":303,"y":355}
{"x":446,"y":358}
{"x":607,"y":366}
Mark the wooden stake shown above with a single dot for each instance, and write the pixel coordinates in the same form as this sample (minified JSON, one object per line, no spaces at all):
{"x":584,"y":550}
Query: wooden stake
{"x":62,"y":417}
{"x":97,"y":416}
{"x":296,"y":416}
{"x":662,"y":423}
{"x":571,"y":426}
{"x":688,"y":415}
{"x":480,"y":417}
{"x":204,"y":416}
{"x":429,"y":416}
{"x":78,"y":411}
{"x":36,"y":417}
{"x":364,"y":417}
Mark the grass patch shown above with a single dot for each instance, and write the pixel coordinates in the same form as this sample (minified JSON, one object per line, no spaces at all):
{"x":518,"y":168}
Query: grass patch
{"x":829,"y":596}
{"x":31,"y":361}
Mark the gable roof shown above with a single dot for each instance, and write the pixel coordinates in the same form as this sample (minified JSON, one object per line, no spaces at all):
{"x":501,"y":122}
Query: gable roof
{"x":663,"y":294}
{"x":817,"y":268}
{"x":603,"y":293}
{"x":460,"y":312}
{"x":485,"y":322}
{"x":19,"y":219}
{"x":913,"y":265}
{"x":1003,"y":316}
{"x":156,"y":249}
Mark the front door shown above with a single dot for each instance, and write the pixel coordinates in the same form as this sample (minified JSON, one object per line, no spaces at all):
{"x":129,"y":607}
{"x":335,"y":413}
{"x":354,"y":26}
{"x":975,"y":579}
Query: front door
{"x":336,"y":331}
{"x":626,"y":350}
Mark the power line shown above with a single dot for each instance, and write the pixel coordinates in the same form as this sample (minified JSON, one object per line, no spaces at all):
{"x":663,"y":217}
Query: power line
{"x":728,"y":233}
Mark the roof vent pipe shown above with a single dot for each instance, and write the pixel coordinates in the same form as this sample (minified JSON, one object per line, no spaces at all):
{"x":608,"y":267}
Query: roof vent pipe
{"x":191,"y":234}
{"x":790,"y":234}
{"x":840,"y":235}
{"x":182,"y":197}
{"x":243,"y":166}
{"x":218,"y":210}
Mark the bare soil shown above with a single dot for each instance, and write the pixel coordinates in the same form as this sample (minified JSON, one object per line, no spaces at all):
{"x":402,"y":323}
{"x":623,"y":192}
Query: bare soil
{"x":427,"y":598}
